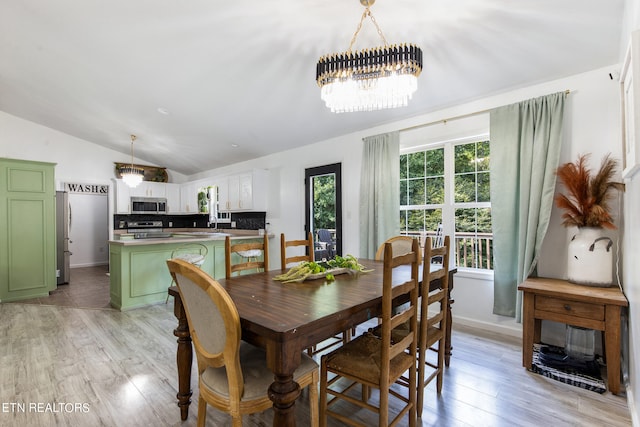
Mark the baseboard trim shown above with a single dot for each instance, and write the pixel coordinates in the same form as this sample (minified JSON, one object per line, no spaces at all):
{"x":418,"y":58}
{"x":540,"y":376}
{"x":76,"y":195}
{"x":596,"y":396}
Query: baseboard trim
{"x":633,"y":408}
{"x":512,"y":331}
{"x":90,"y":264}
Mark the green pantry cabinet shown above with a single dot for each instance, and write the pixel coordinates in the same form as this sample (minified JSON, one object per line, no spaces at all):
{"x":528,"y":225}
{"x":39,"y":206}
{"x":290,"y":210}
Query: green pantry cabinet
{"x":27,"y":229}
{"x":138,"y":269}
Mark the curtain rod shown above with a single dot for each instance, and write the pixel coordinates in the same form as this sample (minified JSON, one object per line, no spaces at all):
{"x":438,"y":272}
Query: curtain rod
{"x":462,"y":116}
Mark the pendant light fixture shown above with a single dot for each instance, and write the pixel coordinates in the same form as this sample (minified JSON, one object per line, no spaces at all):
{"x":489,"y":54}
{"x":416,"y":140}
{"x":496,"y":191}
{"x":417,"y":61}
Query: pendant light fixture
{"x":132,"y":175}
{"x":370,"y":79}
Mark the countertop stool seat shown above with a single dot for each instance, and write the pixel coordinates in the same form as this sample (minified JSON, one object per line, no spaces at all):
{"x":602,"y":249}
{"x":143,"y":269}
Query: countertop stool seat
{"x":249,"y":252}
{"x":193,"y":253}
{"x":194,"y":259}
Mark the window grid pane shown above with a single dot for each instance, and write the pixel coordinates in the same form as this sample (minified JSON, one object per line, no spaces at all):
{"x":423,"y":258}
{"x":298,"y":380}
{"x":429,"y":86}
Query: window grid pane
{"x":417,"y":194}
{"x":422,"y":185}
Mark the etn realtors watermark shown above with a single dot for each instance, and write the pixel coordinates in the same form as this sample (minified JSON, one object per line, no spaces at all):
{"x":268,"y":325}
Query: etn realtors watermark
{"x":44,"y":407}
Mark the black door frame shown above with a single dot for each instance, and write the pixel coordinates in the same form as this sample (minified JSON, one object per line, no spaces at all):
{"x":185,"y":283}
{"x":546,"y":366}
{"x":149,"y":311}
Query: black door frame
{"x":334,"y":168}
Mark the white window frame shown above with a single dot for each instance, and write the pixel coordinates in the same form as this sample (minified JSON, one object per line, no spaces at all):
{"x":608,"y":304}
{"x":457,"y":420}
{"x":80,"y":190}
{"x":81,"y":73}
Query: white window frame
{"x":449,"y":206}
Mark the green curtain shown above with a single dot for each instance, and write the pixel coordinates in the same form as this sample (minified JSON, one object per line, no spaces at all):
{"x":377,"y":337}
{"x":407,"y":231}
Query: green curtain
{"x":525,"y":150}
{"x":379,"y":191}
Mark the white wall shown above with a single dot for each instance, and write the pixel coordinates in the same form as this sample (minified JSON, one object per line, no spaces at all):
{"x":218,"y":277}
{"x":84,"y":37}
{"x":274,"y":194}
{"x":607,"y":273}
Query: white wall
{"x":88,"y":231}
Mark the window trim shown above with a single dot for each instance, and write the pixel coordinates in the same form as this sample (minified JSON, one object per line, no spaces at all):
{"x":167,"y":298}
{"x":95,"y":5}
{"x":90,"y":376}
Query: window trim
{"x":449,"y":207}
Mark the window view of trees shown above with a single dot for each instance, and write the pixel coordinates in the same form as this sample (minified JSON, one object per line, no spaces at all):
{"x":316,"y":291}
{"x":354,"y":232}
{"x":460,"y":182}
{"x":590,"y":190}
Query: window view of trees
{"x":421,"y":190}
{"x":424,"y":202}
{"x":324,"y":202}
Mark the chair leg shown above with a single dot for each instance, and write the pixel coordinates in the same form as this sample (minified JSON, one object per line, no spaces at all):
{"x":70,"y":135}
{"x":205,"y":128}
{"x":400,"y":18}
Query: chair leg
{"x":313,"y":400}
{"x":366,"y":393}
{"x":311,"y":350}
{"x":413,"y":386}
{"x":323,"y":393}
{"x":383,"y":419}
{"x":202,"y":412}
{"x":420,"y":380}
{"x":170,"y":285}
{"x":237,"y":421}
{"x":440,"y":365}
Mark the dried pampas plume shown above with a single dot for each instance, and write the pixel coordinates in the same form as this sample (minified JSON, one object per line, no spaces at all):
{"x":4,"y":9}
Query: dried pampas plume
{"x":586,"y":202}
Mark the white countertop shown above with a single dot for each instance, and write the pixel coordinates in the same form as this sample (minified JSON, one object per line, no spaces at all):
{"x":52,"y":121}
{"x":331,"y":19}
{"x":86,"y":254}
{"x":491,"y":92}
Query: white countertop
{"x":185,"y":237}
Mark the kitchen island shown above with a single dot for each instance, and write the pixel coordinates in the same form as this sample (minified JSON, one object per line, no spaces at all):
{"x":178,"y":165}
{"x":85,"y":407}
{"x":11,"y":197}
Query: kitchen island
{"x":138,"y":271}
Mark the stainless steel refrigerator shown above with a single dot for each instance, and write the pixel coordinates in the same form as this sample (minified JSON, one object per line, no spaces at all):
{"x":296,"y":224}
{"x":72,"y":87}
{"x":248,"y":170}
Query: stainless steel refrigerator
{"x":63,"y":223}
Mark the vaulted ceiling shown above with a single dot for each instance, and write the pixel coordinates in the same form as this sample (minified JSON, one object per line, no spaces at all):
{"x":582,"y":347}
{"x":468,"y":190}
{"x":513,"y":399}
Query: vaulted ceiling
{"x":204,"y":84}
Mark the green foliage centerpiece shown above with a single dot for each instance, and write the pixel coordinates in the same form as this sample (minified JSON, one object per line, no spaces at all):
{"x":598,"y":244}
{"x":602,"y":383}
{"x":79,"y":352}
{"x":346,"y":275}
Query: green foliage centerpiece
{"x":314,"y":270}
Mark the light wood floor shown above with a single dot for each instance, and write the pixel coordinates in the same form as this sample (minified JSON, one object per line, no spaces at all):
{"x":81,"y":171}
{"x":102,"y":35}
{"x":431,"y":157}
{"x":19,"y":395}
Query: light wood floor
{"x":111,"y":368}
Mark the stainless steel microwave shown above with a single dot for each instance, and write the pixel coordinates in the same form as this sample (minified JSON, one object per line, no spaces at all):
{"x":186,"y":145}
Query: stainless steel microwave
{"x":148,"y":205}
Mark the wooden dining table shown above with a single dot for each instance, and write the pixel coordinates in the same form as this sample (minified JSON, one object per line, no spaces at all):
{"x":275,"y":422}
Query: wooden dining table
{"x":287,"y":318}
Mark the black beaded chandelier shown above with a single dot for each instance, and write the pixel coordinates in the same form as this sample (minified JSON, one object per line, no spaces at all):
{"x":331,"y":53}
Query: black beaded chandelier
{"x":370,"y":79}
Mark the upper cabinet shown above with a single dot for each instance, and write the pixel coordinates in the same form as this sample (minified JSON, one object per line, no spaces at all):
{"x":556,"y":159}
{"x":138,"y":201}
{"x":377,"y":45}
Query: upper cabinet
{"x":236,"y":193}
{"x":147,"y":189}
{"x":123,"y":198}
{"x":244,"y":192}
{"x":173,"y":198}
{"x":189,"y":197}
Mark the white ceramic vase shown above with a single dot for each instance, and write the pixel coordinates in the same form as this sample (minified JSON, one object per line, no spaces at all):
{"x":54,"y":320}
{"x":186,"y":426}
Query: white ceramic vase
{"x":590,"y":258}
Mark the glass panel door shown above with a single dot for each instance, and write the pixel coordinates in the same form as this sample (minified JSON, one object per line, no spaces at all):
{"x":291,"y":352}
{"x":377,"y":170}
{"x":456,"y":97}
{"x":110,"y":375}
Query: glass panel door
{"x":323,"y":197}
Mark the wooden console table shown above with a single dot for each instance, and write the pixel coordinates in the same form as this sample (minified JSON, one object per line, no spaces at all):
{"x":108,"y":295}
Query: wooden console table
{"x":577,"y":305}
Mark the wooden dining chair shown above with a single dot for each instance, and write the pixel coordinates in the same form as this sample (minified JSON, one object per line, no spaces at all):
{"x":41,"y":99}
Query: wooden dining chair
{"x":233,"y":374}
{"x":401,"y":245}
{"x":433,"y":317}
{"x":309,"y":257}
{"x":249,"y":253}
{"x":297,"y":258}
{"x":377,"y":362}
{"x":432,"y":324}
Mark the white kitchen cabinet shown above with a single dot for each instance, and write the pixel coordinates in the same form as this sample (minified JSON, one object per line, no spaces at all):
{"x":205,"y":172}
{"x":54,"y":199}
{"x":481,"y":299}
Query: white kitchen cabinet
{"x":246,"y":191}
{"x":173,"y":198}
{"x":233,"y":184}
{"x":149,"y":189}
{"x":123,"y":197}
{"x":223,"y":193}
{"x":189,"y":197}
{"x":243,"y":192}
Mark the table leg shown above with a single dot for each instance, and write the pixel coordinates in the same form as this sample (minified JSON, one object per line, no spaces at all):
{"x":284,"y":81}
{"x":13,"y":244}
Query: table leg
{"x":283,"y":359}
{"x":283,"y":392}
{"x":184,"y":358}
{"x":447,"y":337}
{"x":612,"y":347}
{"x":528,"y":329}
